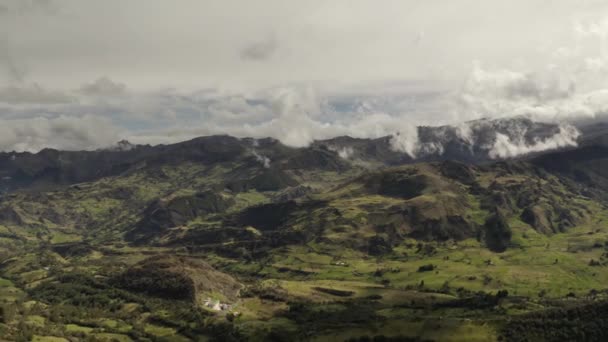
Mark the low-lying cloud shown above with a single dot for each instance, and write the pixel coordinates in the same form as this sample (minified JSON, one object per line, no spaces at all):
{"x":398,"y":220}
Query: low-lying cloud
{"x":509,"y":147}
{"x":296,"y":116}
{"x":64,"y":133}
{"x":265,"y":161}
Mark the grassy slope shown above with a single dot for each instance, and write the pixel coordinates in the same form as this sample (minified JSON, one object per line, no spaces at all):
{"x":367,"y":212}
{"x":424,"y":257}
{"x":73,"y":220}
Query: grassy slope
{"x":535,"y":263}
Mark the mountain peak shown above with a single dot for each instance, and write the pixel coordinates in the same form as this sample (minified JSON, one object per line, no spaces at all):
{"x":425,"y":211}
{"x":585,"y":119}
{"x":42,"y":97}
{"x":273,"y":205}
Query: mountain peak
{"x":122,"y":146}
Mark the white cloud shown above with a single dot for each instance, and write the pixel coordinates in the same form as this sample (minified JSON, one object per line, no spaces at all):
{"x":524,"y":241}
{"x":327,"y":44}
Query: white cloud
{"x":261,"y":158}
{"x":509,"y":147}
{"x":344,"y":152}
{"x":512,"y":85}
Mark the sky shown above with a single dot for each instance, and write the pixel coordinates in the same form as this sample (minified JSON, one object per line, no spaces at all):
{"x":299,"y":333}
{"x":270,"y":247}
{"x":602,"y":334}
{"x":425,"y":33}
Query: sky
{"x":84,"y":74}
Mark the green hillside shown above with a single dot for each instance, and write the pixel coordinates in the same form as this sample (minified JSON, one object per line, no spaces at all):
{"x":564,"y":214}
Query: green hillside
{"x":311,"y":248}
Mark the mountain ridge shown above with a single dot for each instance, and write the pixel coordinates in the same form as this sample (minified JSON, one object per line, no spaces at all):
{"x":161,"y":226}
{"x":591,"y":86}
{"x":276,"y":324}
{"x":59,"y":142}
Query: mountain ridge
{"x":50,"y":168}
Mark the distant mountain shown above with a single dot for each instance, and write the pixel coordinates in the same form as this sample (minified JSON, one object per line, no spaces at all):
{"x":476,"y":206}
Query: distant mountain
{"x":472,"y":142}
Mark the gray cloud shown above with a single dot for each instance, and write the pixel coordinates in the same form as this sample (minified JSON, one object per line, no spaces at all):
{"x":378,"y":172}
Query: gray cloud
{"x":14,"y":72}
{"x":262,"y":50}
{"x":66,"y":133}
{"x":12,"y":69}
{"x":204,"y":42}
{"x":103,"y":87}
{"x":12,"y":65}
{"x":32,"y":94}
{"x":21,"y":7}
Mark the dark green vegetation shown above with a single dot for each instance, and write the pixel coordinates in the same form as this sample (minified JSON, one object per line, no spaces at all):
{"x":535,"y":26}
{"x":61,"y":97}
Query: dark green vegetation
{"x":227,"y":239}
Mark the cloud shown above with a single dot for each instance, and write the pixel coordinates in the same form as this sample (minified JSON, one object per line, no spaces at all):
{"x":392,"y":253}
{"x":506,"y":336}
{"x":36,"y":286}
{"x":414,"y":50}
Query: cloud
{"x":194,"y":44}
{"x":65,"y":133}
{"x":509,"y":147}
{"x":261,"y":158}
{"x":261,"y":50}
{"x":21,"y":7}
{"x":32,"y":94}
{"x":344,"y":152}
{"x":103,"y":87}
{"x":294,"y":115}
{"x":514,"y":85}
{"x":13,"y":69}
{"x":593,"y":28}
{"x":570,"y":85}
{"x":188,"y":72}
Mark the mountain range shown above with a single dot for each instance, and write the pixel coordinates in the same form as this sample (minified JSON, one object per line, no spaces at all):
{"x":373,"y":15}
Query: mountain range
{"x":489,"y":230}
{"x":472,"y":142}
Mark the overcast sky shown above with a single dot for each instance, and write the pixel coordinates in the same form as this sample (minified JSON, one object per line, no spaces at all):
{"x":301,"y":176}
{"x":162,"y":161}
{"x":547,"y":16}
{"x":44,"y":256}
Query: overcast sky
{"x":85,"y":73}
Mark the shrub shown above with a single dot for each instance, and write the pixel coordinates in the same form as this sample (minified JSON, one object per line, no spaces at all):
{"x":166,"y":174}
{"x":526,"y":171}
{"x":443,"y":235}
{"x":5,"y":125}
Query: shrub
{"x":426,"y":268}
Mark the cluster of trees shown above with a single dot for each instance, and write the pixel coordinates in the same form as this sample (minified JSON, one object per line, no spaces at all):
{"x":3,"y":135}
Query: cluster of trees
{"x":426,"y":268}
{"x":477,"y":300}
{"x":157,"y":282}
{"x":497,"y":233}
{"x":270,"y":291}
{"x":581,"y":323}
{"x":82,"y":290}
{"x":314,"y":317}
{"x":82,"y":299}
{"x":334,"y":292}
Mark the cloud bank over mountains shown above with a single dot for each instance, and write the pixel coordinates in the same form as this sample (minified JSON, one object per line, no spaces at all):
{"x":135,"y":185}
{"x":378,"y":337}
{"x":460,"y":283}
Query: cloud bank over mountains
{"x":76,"y":75}
{"x":71,"y":133}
